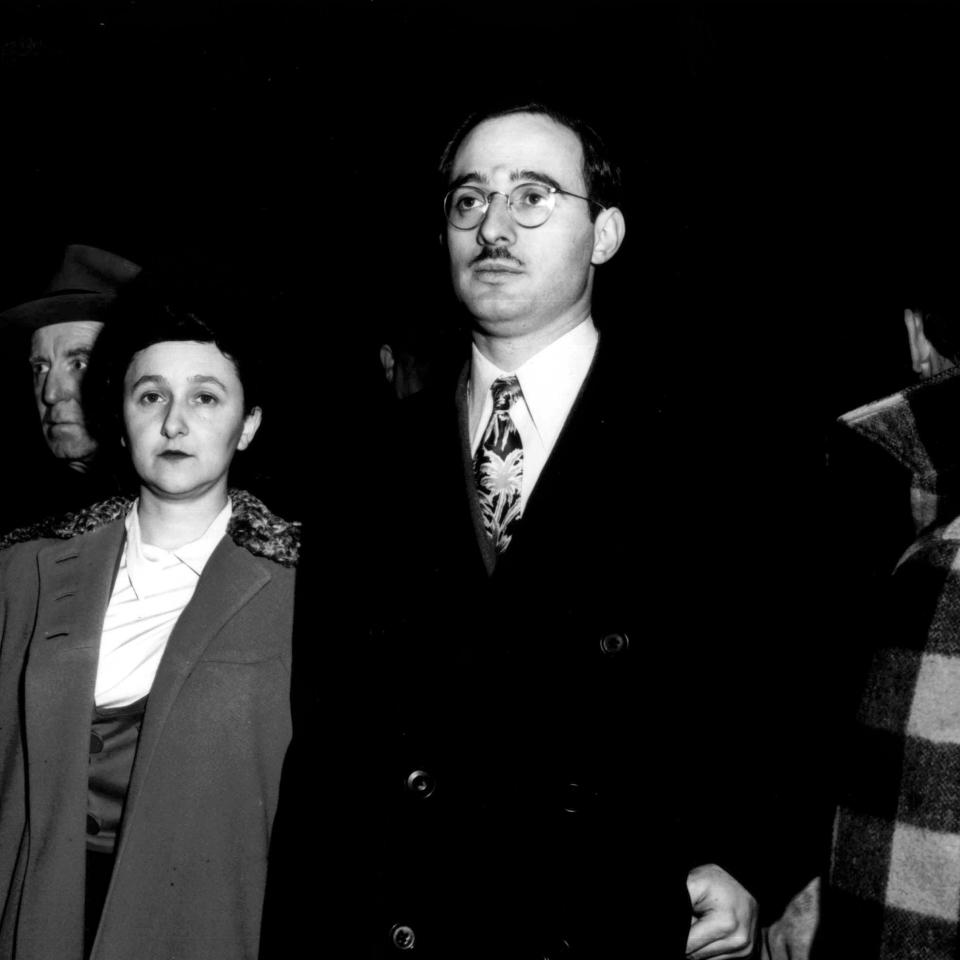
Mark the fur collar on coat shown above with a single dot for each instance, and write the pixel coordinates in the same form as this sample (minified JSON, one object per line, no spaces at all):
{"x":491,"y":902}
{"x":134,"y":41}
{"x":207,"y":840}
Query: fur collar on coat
{"x":252,"y":526}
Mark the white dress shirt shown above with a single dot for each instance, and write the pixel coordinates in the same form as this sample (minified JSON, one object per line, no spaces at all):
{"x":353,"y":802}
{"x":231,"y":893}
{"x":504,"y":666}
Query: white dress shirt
{"x":152,"y":588}
{"x":550,"y":381}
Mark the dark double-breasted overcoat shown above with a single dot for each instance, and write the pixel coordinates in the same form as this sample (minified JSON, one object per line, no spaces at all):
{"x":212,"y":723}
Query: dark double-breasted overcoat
{"x":517,"y":772}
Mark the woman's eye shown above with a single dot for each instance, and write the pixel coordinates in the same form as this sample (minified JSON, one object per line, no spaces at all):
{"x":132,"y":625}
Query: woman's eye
{"x":206,"y":399}
{"x":150,"y":397}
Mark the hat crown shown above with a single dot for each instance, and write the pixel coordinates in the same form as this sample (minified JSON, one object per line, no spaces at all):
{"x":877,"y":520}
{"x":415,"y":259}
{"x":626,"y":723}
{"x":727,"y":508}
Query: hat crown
{"x":85,"y":283}
{"x":91,"y":269}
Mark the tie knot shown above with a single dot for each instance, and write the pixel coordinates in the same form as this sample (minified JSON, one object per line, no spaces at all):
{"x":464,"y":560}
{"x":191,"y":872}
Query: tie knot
{"x":505,"y":391}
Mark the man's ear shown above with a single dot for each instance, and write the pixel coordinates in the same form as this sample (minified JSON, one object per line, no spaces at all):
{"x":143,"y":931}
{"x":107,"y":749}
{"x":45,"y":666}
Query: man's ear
{"x":608,"y":232}
{"x":922,"y":353}
{"x":387,"y":362}
{"x":251,"y":424}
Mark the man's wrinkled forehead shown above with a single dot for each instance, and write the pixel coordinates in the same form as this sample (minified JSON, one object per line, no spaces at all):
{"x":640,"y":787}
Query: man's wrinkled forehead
{"x":60,"y":337}
{"x":517,"y":147}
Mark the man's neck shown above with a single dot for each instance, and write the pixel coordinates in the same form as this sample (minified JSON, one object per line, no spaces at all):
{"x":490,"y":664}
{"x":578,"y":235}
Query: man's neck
{"x":169,"y":524}
{"x":511,"y":351}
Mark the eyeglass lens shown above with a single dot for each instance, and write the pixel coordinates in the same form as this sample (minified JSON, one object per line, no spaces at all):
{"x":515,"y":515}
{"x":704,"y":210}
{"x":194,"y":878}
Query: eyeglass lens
{"x":530,"y":204}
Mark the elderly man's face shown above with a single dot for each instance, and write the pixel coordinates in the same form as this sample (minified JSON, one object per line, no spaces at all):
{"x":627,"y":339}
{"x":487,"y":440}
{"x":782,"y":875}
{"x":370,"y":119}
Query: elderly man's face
{"x":59,"y":354}
{"x":516,"y":280}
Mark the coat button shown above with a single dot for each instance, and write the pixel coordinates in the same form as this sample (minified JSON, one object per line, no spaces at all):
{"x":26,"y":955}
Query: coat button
{"x":421,"y":784}
{"x":96,"y":742}
{"x":402,"y":936}
{"x":614,"y":643}
{"x":93,"y":825}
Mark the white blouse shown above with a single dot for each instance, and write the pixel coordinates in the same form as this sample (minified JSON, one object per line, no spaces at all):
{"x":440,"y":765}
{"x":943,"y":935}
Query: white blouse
{"x":152,"y":588}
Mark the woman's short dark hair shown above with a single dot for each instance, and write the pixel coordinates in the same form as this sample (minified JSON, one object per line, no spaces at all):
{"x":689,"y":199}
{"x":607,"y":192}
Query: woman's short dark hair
{"x":601,"y":174}
{"x":142,"y":317}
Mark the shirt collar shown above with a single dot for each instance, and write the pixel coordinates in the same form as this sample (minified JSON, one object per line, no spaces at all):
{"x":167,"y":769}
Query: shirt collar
{"x":550,"y":379}
{"x":144,"y":560}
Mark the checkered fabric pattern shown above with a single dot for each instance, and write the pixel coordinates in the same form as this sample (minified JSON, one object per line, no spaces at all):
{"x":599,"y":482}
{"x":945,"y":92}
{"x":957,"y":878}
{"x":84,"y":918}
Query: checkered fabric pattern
{"x":895,"y":872}
{"x":917,"y":427}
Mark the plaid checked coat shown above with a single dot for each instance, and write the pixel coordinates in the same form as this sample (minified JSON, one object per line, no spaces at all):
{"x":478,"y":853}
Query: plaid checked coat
{"x":895,"y":873}
{"x":896,"y":469}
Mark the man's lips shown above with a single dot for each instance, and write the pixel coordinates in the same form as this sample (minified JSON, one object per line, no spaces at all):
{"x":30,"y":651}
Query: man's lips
{"x":496,"y":267}
{"x":174,"y":454}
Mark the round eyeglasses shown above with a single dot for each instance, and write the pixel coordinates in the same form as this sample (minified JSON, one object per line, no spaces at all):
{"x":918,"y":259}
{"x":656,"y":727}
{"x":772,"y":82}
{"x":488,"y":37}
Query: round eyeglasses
{"x":530,"y":204}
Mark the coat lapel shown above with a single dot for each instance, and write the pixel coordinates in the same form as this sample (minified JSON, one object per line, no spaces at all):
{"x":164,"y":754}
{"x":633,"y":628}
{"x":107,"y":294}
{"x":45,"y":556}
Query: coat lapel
{"x":76,"y":577}
{"x":231,"y":578}
{"x":550,"y":510}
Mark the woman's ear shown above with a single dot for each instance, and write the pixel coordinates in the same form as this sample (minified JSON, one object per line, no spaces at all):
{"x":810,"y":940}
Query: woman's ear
{"x":608,"y":232}
{"x":251,"y":424}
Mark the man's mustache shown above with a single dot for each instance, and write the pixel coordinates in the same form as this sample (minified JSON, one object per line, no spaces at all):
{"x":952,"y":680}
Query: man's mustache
{"x":495,"y":253}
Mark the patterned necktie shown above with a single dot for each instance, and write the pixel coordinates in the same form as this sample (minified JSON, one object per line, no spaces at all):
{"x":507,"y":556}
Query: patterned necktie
{"x":498,"y":465}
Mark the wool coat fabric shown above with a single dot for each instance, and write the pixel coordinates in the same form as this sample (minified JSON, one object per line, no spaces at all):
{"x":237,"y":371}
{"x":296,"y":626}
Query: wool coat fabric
{"x":894,"y":890}
{"x":524,"y":757}
{"x":895,"y":465}
{"x":191,"y":856}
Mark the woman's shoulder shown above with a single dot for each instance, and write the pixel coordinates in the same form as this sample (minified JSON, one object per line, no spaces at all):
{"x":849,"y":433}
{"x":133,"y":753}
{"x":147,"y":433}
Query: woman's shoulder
{"x":262,"y":533}
{"x":252,"y":526}
{"x":66,"y":526}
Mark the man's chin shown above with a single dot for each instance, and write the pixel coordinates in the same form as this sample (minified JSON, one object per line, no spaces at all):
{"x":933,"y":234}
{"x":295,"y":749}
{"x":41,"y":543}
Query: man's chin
{"x":494,"y":306}
{"x":75,"y":450}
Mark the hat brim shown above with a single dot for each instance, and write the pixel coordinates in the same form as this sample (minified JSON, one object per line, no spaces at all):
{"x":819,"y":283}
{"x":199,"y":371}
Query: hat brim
{"x":58,"y":308}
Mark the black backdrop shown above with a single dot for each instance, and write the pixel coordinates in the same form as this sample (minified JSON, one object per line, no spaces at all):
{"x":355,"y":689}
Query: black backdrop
{"x":792,"y":187}
{"x":788,"y":164}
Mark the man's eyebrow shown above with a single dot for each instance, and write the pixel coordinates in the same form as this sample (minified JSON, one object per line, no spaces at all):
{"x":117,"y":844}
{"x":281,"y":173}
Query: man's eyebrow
{"x":474,"y":176}
{"x":536,"y":176}
{"x":517,"y":176}
{"x":71,"y":354}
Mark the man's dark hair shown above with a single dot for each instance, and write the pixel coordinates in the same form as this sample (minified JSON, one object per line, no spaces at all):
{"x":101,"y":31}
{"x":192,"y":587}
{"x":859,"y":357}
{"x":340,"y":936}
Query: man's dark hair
{"x":601,"y":174}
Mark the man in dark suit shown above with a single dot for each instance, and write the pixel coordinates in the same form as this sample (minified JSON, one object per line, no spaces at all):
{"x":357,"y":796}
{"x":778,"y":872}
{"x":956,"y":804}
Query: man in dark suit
{"x":516,"y":758}
{"x":532,"y":773}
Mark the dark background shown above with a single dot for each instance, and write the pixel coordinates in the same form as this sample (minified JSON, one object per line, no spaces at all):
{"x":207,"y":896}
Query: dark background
{"x":790,"y":171}
{"x":791,"y":177}
{"x":787,"y":163}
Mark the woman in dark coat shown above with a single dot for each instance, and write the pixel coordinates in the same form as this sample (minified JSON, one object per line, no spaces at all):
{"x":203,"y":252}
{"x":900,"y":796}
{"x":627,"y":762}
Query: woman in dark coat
{"x":144,"y":679}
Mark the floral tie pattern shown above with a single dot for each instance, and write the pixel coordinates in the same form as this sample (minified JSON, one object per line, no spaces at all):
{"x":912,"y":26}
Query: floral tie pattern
{"x":498,"y":465}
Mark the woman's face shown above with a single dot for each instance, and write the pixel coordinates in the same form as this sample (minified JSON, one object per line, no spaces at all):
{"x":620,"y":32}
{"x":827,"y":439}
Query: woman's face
{"x":183,"y":417}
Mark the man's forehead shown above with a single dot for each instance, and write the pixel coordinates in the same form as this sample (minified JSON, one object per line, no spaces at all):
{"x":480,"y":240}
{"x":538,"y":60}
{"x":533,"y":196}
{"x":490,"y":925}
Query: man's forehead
{"x":65,"y":336}
{"x":502,"y":146}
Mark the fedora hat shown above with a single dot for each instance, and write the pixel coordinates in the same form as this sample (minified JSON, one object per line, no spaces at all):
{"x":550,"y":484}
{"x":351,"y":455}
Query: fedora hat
{"x":84,"y":285}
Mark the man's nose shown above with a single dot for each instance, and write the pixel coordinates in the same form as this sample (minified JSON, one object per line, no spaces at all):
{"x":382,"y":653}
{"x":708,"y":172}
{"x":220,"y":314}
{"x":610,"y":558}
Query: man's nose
{"x":497,"y":226}
{"x":175,"y":422}
{"x":60,"y":385}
